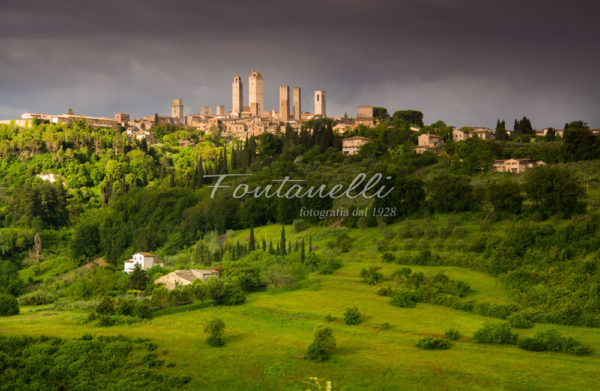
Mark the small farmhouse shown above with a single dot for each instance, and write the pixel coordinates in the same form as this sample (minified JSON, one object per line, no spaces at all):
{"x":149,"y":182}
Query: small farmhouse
{"x":428,"y":142}
{"x":145,"y":260}
{"x":350,"y":146}
{"x":180,"y":278}
{"x":516,"y":166}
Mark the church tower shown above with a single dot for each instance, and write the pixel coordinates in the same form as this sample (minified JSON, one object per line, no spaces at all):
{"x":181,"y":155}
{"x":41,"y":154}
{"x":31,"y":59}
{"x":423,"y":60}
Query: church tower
{"x":320,"y":104}
{"x":238,"y":96}
{"x":256,"y":98}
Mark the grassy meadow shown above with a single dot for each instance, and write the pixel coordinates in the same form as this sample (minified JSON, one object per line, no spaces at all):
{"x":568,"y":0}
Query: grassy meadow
{"x":267,"y":336}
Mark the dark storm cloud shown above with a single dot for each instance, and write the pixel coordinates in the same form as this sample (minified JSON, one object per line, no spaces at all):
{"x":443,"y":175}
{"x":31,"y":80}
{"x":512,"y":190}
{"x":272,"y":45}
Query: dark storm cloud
{"x":466,"y":62}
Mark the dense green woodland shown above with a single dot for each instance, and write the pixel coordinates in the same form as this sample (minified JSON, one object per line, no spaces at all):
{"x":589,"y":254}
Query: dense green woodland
{"x":538,"y":233}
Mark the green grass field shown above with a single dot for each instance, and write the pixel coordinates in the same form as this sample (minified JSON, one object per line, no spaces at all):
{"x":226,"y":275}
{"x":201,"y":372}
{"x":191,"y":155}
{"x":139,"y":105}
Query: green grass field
{"x":267,"y":336}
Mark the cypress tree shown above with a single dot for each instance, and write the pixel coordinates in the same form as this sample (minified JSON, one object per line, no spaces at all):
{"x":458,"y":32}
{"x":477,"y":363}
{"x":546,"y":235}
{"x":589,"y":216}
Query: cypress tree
{"x":264,"y":244}
{"x":282,"y":241}
{"x":270,"y":247}
{"x":289,"y":251}
{"x":251,"y":243}
{"x":302,"y":254}
{"x":310,"y":244}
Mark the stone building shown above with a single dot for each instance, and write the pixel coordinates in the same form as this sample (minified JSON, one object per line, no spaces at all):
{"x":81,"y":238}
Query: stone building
{"x":220,"y":110}
{"x":177,"y":110}
{"x":180,"y":278}
{"x":351,"y":145}
{"x":122,"y":117}
{"x":256,"y":96}
{"x":284,"y":103}
{"x":238,"y":96}
{"x":297,"y":103}
{"x":320,"y":103}
{"x":364,"y":116}
{"x":428,"y":142}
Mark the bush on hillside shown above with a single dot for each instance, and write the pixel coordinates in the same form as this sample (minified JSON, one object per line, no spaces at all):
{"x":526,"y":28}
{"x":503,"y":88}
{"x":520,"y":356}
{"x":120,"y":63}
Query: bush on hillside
{"x":372,"y":275}
{"x":452,"y":334}
{"x":430,"y":343}
{"x":215,"y":330}
{"x":404,"y":298}
{"x":322,"y":346}
{"x":554,"y":341}
{"x":352,"y":316}
{"x":518,"y":320}
{"x":496,"y":333}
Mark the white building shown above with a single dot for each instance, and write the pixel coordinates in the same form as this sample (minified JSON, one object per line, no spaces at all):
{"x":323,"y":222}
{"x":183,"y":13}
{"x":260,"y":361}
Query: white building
{"x":145,"y":260}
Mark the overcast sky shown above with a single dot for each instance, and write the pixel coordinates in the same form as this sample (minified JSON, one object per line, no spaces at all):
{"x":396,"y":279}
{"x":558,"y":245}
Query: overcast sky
{"x":466,"y":62}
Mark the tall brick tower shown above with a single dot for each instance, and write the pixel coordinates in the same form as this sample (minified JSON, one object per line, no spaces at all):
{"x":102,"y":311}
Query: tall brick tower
{"x":284,"y":103}
{"x":256,"y":98}
{"x":177,"y":110}
{"x":297,"y":104}
{"x":320,"y":103}
{"x":238,"y":95}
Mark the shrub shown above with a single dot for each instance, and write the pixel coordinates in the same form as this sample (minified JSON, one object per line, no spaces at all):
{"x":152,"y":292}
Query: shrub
{"x":38,"y":297}
{"x":322,"y":346}
{"x":518,"y":320}
{"x":452,"y":334}
{"x":105,"y":320}
{"x":388,"y":257}
{"x":496,"y":333}
{"x":142,"y":309}
{"x":404,"y":298}
{"x":106,"y":306}
{"x":553,"y":341}
{"x":352,"y":316}
{"x":372,"y":275}
{"x":430,"y":343}
{"x":124,"y":306}
{"x":385,"y":326}
{"x":8,"y":305}
{"x":215,"y":328}
{"x":385,"y":291}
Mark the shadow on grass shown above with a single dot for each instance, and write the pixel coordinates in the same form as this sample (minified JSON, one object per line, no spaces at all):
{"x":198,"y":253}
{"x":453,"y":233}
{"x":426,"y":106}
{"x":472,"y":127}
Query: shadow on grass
{"x":182,"y":308}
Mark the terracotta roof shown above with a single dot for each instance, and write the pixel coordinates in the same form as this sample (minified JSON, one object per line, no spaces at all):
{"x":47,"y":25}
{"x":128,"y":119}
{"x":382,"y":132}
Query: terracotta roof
{"x":145,"y":254}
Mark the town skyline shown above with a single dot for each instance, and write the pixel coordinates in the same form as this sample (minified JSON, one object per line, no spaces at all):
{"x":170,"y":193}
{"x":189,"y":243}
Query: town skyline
{"x":461,"y":62}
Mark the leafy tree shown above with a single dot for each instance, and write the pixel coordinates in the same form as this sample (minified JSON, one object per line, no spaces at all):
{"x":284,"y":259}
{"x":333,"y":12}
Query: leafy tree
{"x":138,"y":279}
{"x":380,"y":113}
{"x":216,"y":330}
{"x":411,"y":116}
{"x":553,"y":190}
{"x":8,"y":305}
{"x":505,"y":196}
{"x":322,"y":346}
{"x":85,"y":241}
{"x":451,"y":193}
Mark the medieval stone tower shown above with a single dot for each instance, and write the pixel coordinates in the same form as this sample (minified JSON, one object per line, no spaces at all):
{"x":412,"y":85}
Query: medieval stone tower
{"x":297,"y":104}
{"x":320,"y":103}
{"x":238,"y":96}
{"x":256,"y":98}
{"x":284,"y":103}
{"x":177,"y":110}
